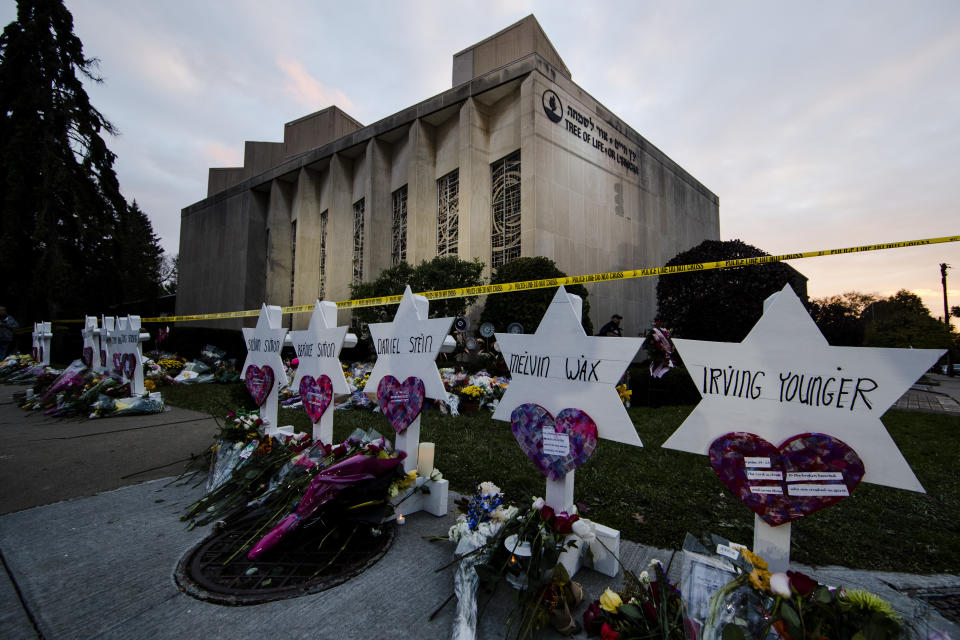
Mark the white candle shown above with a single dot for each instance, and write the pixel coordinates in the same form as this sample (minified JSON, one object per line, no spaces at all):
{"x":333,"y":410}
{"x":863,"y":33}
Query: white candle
{"x":425,"y":459}
{"x":400,"y":519}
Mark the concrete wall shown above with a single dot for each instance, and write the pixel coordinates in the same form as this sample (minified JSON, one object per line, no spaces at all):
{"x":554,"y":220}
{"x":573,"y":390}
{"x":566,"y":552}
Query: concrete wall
{"x":513,"y":43}
{"x":316,"y":130}
{"x":222,"y":257}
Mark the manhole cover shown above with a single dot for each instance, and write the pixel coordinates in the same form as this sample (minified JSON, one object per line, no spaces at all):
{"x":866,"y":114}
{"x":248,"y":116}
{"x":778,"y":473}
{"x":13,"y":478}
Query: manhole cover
{"x":310,"y":560}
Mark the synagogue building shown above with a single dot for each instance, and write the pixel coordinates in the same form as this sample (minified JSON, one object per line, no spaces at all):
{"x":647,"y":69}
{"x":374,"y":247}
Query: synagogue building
{"x":514,"y":160}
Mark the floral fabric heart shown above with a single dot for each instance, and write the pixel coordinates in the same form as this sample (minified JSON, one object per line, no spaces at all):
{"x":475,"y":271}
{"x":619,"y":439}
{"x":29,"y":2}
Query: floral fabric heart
{"x":118,"y":363}
{"x":316,"y":394}
{"x":259,"y":382}
{"x":88,"y":356}
{"x":129,"y":363}
{"x":808,"y":472}
{"x":555,"y":446}
{"x":400,"y":402}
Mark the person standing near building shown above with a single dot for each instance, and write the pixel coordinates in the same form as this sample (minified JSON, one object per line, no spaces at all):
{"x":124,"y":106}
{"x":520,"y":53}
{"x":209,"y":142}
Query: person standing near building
{"x":612,"y":329}
{"x":7,"y":325}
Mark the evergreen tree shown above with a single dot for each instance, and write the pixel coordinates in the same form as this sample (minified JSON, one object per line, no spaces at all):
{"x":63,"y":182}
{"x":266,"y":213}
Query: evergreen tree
{"x":721,"y":304}
{"x":527,"y":307}
{"x":67,"y":236}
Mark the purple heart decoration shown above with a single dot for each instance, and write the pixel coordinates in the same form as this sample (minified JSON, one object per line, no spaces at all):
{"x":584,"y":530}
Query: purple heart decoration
{"x":259,"y":382}
{"x":118,"y":363}
{"x":87,"y":356}
{"x":129,"y":363}
{"x":400,"y":402}
{"x":556,"y":446}
{"x":808,"y":472}
{"x":103,"y":358}
{"x":315,"y":394}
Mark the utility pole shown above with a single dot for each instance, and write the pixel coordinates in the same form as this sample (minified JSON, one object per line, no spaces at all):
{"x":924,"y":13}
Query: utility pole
{"x":946,"y":313}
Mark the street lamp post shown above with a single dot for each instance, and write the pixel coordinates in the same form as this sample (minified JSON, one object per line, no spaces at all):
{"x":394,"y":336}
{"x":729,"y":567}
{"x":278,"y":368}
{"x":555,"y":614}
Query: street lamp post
{"x":946,"y":312}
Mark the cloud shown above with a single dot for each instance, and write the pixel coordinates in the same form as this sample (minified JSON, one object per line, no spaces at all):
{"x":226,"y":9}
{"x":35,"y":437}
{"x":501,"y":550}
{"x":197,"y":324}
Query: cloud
{"x":223,"y":156}
{"x":305,"y":89}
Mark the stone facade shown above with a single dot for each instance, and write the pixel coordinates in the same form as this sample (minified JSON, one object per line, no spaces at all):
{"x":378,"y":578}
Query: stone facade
{"x":515,"y":159}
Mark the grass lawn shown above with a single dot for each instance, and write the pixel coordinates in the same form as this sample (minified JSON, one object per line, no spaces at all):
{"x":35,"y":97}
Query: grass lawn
{"x":655,"y":496}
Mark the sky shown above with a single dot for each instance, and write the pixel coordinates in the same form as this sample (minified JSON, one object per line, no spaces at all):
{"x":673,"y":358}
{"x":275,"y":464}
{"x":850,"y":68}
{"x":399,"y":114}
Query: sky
{"x":819,"y":124}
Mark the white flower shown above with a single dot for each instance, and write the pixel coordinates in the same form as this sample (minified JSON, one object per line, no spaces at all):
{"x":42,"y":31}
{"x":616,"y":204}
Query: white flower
{"x":583,"y":529}
{"x":645,"y":577}
{"x":502,"y":514}
{"x":435,"y":475}
{"x":538,"y":503}
{"x":780,"y":584}
{"x":489,"y":489}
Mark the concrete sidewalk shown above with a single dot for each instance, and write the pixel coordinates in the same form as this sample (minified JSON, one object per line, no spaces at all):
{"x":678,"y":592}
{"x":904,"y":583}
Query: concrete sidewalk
{"x":942,"y":395}
{"x":101,"y":566}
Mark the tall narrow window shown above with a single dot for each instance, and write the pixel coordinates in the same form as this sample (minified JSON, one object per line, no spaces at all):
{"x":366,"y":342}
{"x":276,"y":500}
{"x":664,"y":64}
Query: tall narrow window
{"x":293,"y":258}
{"x":358,"y":208}
{"x":448,"y":213}
{"x":505,"y":199}
{"x":398,"y":252}
{"x":321,"y":294}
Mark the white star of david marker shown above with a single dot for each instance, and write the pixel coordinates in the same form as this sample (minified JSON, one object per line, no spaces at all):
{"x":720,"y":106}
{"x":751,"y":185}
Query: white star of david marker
{"x":784,"y":379}
{"x":409,"y":345}
{"x":264,"y":343}
{"x":561,"y":367}
{"x":318,"y":348}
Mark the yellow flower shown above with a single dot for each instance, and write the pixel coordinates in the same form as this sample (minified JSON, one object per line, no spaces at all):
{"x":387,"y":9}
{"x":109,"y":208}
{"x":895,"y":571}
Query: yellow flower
{"x":149,"y":385}
{"x":753,"y":558}
{"x":610,"y":601}
{"x":760,"y":579}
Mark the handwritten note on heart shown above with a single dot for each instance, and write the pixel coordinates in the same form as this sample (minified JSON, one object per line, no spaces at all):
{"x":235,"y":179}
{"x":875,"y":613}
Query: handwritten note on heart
{"x":555,"y":446}
{"x":316,"y":394}
{"x":400,"y":402}
{"x":808,"y":472}
{"x":259,"y":382}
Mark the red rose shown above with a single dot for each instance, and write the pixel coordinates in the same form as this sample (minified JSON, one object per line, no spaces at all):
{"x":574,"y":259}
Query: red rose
{"x":608,"y":633}
{"x":649,"y":611}
{"x":339,"y":450}
{"x":546,"y":512}
{"x":592,"y":618}
{"x":802,"y":583}
{"x":563,"y":523}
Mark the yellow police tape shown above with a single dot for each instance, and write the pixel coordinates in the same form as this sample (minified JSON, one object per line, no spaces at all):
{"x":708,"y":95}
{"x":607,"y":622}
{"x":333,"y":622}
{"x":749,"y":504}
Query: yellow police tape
{"x":556,"y":282}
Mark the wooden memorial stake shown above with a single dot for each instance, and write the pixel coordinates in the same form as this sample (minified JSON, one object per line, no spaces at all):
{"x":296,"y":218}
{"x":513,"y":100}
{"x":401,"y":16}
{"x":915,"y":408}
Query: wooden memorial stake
{"x":42,"y":333}
{"x":784,"y":342}
{"x":264,"y":344}
{"x":107,"y":326}
{"x":559,"y":367}
{"x":318,"y":349}
{"x":772,"y":544}
{"x":128,"y":341}
{"x":408,"y":347}
{"x":91,"y":340}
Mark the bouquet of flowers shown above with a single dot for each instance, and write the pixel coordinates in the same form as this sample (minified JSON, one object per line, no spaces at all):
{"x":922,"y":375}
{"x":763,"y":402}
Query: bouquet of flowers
{"x":243,"y":463}
{"x":522,"y":547}
{"x":795,"y":607}
{"x":361,"y":470}
{"x":648,"y":607}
